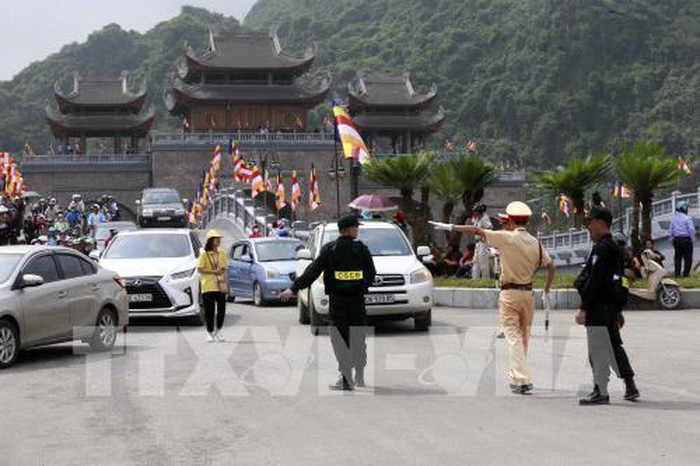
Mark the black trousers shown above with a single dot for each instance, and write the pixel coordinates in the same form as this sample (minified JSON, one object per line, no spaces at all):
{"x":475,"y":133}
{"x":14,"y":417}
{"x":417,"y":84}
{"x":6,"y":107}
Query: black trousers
{"x":683,"y":247}
{"x":348,"y":319}
{"x":214,"y":302}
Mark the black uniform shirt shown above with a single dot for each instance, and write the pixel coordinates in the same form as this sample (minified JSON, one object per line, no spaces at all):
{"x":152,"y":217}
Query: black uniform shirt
{"x":595,"y":283}
{"x":346,"y":265}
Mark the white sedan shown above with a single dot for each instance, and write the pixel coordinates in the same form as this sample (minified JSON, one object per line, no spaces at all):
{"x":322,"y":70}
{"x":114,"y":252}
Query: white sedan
{"x":160,"y":270}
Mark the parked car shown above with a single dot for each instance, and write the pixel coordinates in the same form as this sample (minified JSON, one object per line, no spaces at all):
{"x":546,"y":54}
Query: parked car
{"x":102,"y":233}
{"x":261,"y":268}
{"x":159,"y":267}
{"x":402,"y":289}
{"x":161,"y":207}
{"x":54,"y":294}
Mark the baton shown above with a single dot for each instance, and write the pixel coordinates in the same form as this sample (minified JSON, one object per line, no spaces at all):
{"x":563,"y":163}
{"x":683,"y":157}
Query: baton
{"x":547,"y":306}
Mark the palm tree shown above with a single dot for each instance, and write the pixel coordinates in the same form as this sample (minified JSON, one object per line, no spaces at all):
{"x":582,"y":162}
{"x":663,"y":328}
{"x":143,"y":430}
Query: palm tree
{"x":405,"y":173}
{"x":575,"y":179}
{"x":475,"y":175}
{"x":444,"y":183}
{"x":644,"y":168}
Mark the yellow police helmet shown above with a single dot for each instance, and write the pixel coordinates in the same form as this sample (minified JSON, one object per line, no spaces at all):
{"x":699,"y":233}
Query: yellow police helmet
{"x":213,"y":234}
{"x":518,"y":211}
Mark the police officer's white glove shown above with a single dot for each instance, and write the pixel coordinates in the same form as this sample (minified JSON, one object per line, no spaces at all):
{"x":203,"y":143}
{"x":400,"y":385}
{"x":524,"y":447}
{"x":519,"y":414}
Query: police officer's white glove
{"x":442,"y":226}
{"x":546,"y":300}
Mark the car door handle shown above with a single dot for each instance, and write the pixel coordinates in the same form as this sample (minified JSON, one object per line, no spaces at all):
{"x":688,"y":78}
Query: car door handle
{"x":95,"y":287}
{"x":62,"y":294}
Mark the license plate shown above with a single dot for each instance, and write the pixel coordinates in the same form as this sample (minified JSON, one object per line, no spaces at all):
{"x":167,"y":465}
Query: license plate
{"x":140,"y":298}
{"x":163,"y":219}
{"x":380,"y":299}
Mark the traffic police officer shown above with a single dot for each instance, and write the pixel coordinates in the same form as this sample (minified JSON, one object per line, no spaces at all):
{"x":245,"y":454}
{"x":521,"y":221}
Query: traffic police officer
{"x":521,"y":256}
{"x":600,"y":285}
{"x":348,"y":271}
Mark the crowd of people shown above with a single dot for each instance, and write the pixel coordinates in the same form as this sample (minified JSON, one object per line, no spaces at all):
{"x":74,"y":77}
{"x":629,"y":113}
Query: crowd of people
{"x":45,"y":221}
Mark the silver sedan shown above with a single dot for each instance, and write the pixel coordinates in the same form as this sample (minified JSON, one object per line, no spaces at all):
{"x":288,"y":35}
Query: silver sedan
{"x":53,"y":295}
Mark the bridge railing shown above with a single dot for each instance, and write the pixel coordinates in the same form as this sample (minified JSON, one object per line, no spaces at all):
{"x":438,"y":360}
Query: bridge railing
{"x":576,"y":239}
{"x":235,"y":205}
{"x":84,"y":158}
{"x":250,"y":138}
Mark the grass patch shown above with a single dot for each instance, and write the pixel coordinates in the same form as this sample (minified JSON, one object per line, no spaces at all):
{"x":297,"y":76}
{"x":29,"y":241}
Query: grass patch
{"x":561,"y":281}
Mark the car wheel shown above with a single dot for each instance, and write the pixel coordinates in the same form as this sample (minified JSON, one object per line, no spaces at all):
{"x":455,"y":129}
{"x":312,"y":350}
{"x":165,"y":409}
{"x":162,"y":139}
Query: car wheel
{"x":258,"y":298}
{"x":424,"y":321}
{"x":315,"y":319}
{"x":304,"y":318}
{"x":9,"y":344}
{"x":105,"y":334}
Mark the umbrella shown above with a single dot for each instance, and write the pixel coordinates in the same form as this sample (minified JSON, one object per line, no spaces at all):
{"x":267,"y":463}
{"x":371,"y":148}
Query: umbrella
{"x":373,"y":203}
{"x":31,"y":195}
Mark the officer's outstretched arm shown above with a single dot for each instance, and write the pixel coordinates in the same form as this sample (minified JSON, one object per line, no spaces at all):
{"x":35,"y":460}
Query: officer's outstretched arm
{"x":312,"y":272}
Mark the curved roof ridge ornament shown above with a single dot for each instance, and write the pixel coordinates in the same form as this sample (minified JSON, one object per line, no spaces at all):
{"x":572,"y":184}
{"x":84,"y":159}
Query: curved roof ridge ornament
{"x":76,"y":82}
{"x":409,"y":85}
{"x":275,"y":39}
{"x":123,"y":77}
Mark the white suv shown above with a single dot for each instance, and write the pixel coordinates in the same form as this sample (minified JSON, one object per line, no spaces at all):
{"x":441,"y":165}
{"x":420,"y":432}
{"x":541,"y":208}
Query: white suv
{"x":403,"y":287}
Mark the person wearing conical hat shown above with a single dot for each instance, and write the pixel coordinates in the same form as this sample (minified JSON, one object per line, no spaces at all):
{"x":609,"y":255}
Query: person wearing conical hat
{"x":212,"y":265}
{"x":521,"y":256}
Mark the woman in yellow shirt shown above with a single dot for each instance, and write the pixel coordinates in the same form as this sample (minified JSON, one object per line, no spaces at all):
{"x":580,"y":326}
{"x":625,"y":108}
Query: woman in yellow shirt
{"x":212,"y":266}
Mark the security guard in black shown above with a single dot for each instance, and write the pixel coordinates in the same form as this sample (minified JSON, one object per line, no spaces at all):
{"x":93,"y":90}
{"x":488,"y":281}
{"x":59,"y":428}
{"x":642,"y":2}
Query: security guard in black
{"x":348,"y":271}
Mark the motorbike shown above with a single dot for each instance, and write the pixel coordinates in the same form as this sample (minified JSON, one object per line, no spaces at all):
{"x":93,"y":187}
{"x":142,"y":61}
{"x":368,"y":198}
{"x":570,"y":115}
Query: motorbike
{"x":660,"y":289}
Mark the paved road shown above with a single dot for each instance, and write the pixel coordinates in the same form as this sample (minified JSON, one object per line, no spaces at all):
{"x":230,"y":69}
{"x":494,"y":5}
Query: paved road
{"x":167,"y":397}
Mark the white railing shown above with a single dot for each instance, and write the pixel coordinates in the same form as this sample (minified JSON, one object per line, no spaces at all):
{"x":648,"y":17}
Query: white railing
{"x":252,"y":138}
{"x":84,"y":158}
{"x":575,"y":239}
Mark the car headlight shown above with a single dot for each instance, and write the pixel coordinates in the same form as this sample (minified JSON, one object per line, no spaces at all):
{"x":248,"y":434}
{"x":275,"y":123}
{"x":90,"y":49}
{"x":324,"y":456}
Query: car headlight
{"x":421,"y":275}
{"x":179,"y":211}
{"x":272,"y":273}
{"x":183,"y":274}
{"x":148,"y":213}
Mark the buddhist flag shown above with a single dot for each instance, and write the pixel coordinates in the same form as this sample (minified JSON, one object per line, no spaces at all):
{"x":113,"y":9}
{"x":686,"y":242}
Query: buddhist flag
{"x":235,"y":156}
{"x":564,"y":205}
{"x":258,"y":183}
{"x":296,"y":191}
{"x":353,"y":145}
{"x":621,"y":190}
{"x":246,"y":172}
{"x":684,"y":166}
{"x":314,"y":194}
{"x":280,"y":200}
{"x":216,"y":160}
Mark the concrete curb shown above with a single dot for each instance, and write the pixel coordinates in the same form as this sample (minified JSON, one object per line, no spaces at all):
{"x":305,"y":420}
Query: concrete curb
{"x":564,"y":299}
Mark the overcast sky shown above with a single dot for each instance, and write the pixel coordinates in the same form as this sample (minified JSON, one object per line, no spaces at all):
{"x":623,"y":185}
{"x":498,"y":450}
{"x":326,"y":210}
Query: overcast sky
{"x":34,"y":29}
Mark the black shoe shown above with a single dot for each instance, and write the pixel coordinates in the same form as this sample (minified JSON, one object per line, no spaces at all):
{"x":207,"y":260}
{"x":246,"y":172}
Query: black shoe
{"x":631,"y":392}
{"x":341,"y":385}
{"x":500,"y":335}
{"x":359,"y":377}
{"x":521,"y":389}
{"x":594,"y":398}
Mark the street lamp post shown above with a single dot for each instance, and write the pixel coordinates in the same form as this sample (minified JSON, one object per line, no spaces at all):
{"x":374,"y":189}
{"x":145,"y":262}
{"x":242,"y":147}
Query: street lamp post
{"x":336,"y":173}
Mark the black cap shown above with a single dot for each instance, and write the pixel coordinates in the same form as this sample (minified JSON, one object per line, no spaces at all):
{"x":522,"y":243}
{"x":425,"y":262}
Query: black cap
{"x":600,"y":213}
{"x":348,"y":221}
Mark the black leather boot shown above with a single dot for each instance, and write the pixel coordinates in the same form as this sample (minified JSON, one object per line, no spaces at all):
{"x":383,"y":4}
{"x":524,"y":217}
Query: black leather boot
{"x":631,"y":392}
{"x":342,"y":385}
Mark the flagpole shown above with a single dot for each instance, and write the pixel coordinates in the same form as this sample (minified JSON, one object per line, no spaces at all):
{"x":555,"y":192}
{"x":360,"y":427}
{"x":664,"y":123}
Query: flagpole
{"x":336,"y":167}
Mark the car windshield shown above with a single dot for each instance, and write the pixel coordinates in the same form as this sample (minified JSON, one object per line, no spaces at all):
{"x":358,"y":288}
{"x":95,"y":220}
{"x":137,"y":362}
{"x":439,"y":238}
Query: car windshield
{"x":381,"y":242}
{"x":161,"y":197}
{"x":147,"y":246}
{"x":270,"y":251}
{"x":8,"y":262}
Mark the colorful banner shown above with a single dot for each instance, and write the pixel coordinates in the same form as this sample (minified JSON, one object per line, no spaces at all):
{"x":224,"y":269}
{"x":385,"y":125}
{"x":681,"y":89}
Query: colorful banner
{"x":353,"y":145}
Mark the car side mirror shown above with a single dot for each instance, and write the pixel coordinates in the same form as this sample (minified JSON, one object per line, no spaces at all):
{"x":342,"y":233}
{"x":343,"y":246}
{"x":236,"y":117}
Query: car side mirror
{"x":137,"y":202}
{"x":185,"y":201}
{"x":428,"y":259}
{"x":95,"y":255}
{"x":304,"y":254}
{"x":422,"y":251}
{"x":30,"y":280}
{"x":246,"y":258}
